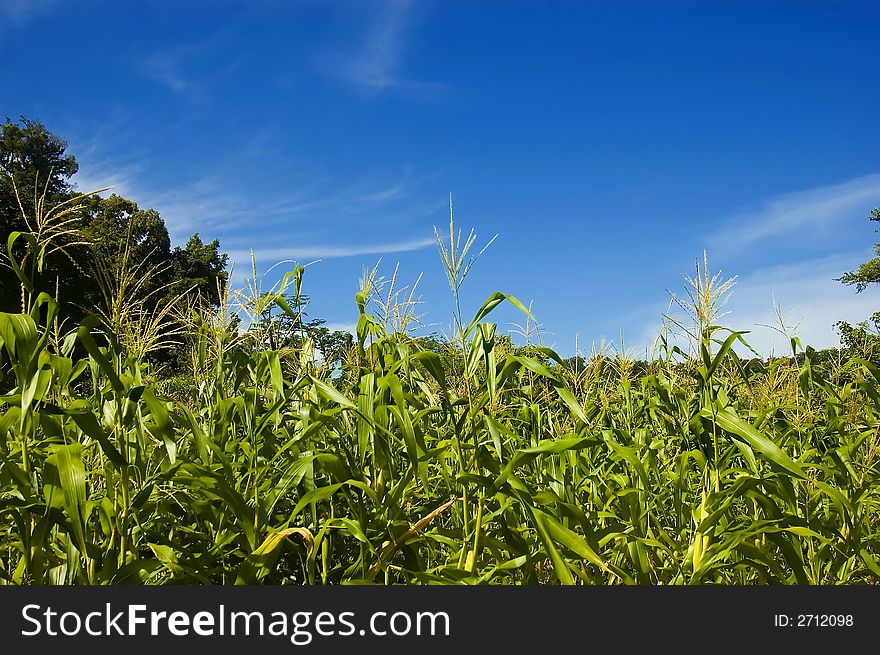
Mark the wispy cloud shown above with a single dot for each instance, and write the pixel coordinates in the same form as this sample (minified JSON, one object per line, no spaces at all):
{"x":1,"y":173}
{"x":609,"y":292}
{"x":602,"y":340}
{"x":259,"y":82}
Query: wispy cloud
{"x":217,"y":203}
{"x":327,"y":251}
{"x":194,"y":68}
{"x":378,"y":64}
{"x":203,"y":204}
{"x":121,"y":166}
{"x":122,"y":180}
{"x":18,"y":12}
{"x":808,"y":294}
{"x":810,"y":298}
{"x":164,"y":67}
{"x":299,"y":213}
{"x":342,"y":327}
{"x":384,"y":194}
{"x":812,"y":213}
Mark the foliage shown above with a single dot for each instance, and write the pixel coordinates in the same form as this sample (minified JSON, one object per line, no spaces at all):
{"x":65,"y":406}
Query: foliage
{"x":35,"y":171}
{"x":487,"y":464}
{"x":869,"y":271}
{"x":33,"y":165}
{"x":863,"y":339}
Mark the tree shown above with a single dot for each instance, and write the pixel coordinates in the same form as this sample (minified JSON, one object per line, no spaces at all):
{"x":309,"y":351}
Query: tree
{"x":111,"y":226}
{"x":32,"y":161}
{"x":114,"y":223}
{"x":868,"y":272}
{"x":864,"y":338}
{"x":30,"y":154}
{"x":199,"y":267}
{"x":332,"y":344}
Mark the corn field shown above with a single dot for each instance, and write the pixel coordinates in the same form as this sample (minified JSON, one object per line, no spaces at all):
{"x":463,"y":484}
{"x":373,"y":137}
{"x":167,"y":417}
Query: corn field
{"x":485,"y":464}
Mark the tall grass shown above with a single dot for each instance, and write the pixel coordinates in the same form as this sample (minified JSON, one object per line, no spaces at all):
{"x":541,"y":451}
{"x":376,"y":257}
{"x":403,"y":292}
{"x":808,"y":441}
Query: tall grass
{"x":488,"y":463}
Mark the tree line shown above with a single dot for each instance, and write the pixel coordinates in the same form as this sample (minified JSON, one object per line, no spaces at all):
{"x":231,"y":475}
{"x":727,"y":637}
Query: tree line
{"x":37,"y":169}
{"x":102,"y":234}
{"x":36,"y":172}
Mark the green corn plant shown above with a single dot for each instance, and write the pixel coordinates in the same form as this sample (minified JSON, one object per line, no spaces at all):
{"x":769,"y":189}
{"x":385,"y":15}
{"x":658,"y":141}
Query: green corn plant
{"x":488,"y":463}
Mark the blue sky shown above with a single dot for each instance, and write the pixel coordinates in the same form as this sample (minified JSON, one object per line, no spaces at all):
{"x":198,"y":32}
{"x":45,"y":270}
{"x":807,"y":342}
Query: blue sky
{"x":606,"y":143}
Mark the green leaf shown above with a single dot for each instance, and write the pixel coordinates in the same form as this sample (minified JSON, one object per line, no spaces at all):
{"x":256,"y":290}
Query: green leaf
{"x":730,"y":422}
{"x":260,"y":563}
{"x":89,"y":425}
{"x":559,"y":566}
{"x":71,"y":475}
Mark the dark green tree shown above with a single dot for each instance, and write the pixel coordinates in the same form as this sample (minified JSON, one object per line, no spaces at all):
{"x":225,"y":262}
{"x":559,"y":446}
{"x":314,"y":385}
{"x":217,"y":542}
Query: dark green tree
{"x":863,"y":339}
{"x":199,"y":267}
{"x":32,"y":162}
{"x":332,"y":344}
{"x":33,"y":165}
{"x":868,"y":272}
{"x":114,"y":223}
{"x":31,"y":155}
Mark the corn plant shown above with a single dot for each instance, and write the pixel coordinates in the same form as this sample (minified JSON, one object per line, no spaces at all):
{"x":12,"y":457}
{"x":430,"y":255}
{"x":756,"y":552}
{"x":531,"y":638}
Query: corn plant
{"x":492,"y":464}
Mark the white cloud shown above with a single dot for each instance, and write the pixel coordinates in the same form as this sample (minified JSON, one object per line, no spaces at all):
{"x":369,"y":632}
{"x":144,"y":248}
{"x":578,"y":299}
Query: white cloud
{"x":163,"y":67}
{"x":204,"y":205}
{"x":384,"y":194}
{"x":218,"y":203}
{"x":806,"y":290}
{"x":195,"y":67}
{"x":798,"y":215}
{"x":342,"y":327}
{"x":19,"y":12}
{"x":309,"y":253}
{"x":378,"y":64}
{"x":377,"y":69}
{"x":809,"y":292}
{"x":121,"y":180}
{"x":809,"y":296}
